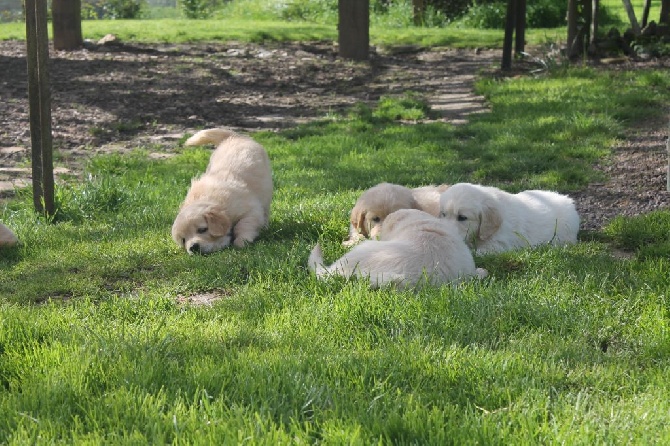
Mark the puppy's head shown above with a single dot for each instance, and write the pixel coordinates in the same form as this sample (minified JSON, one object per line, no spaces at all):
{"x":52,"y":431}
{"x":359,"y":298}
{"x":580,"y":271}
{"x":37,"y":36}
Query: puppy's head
{"x":202,"y":228}
{"x":474,"y":210}
{"x":402,"y":221}
{"x":376,"y":204}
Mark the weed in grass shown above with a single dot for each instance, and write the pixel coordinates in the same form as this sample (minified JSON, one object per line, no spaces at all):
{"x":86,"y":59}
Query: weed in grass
{"x":127,"y":126}
{"x":647,"y":235}
{"x":411,"y":107}
{"x":96,"y":131}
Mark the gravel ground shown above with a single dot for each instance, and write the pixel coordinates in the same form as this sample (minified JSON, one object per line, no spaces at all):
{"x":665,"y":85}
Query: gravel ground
{"x":117,"y":97}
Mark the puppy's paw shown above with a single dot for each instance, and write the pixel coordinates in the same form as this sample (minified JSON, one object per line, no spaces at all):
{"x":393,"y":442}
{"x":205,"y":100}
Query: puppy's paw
{"x":354,"y":239}
{"x":351,"y":242}
{"x":481,"y":273}
{"x":241,"y":242}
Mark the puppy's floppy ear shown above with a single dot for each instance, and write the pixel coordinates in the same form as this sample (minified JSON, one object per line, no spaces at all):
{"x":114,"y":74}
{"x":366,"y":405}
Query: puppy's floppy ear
{"x":358,"y":220}
{"x":218,"y":224}
{"x":490,"y":221}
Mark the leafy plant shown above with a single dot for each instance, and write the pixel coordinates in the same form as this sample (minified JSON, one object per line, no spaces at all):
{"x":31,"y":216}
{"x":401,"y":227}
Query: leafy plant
{"x":123,"y":9}
{"x":320,"y":11}
{"x":196,"y":9}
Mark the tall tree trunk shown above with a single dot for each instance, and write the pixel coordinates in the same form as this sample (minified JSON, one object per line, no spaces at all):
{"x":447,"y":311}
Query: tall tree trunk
{"x":665,"y":12}
{"x":573,"y":46}
{"x":631,"y":16}
{"x":520,"y":25}
{"x":595,"y":8}
{"x":510,"y":19}
{"x":645,"y":13}
{"x":354,"y":29}
{"x":587,"y":20}
{"x":419,"y":8}
{"x":66,"y":16}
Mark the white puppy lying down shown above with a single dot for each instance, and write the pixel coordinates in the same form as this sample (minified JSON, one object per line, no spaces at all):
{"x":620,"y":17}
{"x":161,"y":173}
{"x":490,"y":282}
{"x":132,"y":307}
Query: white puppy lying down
{"x":230,"y":202}
{"x":492,"y":220}
{"x":379,"y":201}
{"x":7,"y":237}
{"x":413,"y":246}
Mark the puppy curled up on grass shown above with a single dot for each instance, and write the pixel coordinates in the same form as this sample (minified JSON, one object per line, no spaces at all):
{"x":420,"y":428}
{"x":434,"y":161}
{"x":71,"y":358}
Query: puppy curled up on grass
{"x":413,"y":247}
{"x":230,"y":202}
{"x":376,"y":203}
{"x":7,"y":237}
{"x":492,"y":220}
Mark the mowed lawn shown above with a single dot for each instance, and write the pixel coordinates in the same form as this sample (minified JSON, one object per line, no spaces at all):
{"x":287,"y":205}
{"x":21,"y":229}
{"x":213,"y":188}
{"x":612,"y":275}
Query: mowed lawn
{"x":109,"y":333}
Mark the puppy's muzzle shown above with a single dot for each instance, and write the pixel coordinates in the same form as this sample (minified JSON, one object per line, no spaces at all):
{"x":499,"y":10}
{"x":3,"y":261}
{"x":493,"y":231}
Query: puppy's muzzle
{"x":194,"y":248}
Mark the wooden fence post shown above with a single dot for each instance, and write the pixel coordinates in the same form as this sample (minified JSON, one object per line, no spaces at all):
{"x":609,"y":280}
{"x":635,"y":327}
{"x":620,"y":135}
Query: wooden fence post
{"x":39,"y":95}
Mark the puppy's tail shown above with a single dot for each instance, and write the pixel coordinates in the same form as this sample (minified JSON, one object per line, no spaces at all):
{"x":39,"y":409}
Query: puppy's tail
{"x":210,"y":136}
{"x":315,"y":261}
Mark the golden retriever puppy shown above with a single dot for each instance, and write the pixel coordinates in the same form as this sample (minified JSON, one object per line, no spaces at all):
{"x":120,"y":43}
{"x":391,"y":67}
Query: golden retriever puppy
{"x":230,"y":202}
{"x":381,"y":200}
{"x":414,"y":247}
{"x":492,"y":220}
{"x":7,"y":237}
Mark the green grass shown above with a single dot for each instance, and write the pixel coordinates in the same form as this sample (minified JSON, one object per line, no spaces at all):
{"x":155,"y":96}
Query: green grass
{"x":559,"y":345}
{"x":638,"y":6}
{"x":182,"y":31}
{"x":263,"y":20}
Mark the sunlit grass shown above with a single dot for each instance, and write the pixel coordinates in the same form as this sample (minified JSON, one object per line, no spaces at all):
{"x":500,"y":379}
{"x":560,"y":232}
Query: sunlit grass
{"x":262,"y":20}
{"x":184,"y":31}
{"x":638,"y":7}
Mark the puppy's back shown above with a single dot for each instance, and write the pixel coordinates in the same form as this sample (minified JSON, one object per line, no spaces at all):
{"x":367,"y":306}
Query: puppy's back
{"x":558,"y":210}
{"x":237,"y":159}
{"x":428,"y":198}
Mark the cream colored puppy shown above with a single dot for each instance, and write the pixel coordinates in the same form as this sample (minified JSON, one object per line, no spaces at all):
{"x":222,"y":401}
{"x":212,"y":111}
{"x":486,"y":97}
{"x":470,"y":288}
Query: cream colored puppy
{"x":230,"y":202}
{"x":492,"y":220}
{"x":7,"y":237}
{"x":381,"y":200}
{"x":413,"y":246}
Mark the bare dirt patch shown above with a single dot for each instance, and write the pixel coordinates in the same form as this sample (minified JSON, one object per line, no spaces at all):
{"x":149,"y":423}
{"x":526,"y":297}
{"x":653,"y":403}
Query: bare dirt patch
{"x":120,"y":97}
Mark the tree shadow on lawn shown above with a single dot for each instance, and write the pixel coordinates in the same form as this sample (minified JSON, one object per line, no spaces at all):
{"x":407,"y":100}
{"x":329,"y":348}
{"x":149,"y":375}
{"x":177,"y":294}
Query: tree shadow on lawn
{"x":359,"y":154}
{"x":122,"y":91}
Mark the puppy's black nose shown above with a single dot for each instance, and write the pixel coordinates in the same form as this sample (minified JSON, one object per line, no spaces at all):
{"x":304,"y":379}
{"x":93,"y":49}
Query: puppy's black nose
{"x":195,"y":248}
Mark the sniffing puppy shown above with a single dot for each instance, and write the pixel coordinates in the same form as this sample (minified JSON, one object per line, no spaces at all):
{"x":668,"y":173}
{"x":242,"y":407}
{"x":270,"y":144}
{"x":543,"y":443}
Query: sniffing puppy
{"x":492,"y":220}
{"x":413,"y":247}
{"x":230,"y":202}
{"x":7,"y":237}
{"x":376,"y":203}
